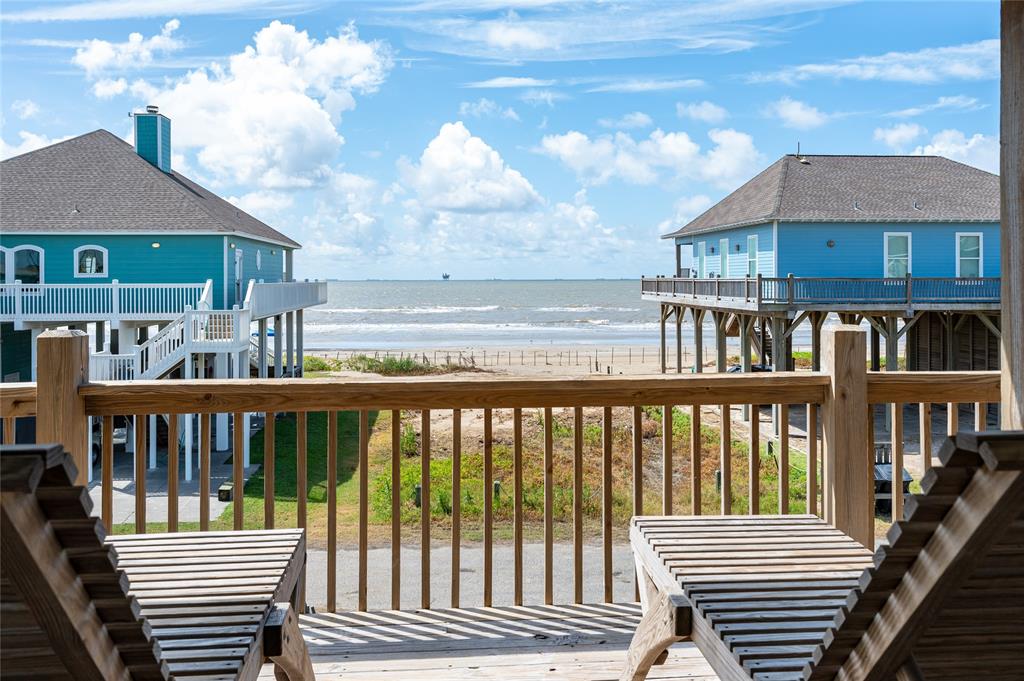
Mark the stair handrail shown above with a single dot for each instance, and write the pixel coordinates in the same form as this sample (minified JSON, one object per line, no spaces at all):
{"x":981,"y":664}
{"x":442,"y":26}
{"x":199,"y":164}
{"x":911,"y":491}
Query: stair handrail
{"x":206,"y":299}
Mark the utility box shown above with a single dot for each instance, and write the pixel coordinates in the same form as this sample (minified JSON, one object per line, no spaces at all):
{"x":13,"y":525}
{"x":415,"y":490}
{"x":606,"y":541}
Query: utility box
{"x":225,"y":492}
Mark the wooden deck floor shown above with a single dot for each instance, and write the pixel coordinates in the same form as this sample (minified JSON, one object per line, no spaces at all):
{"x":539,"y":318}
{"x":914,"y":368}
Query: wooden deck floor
{"x":579,"y":642}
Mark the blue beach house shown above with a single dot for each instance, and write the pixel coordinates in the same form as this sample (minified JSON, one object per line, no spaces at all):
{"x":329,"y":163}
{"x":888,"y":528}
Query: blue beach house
{"x":104,"y":236}
{"x":907,"y":244}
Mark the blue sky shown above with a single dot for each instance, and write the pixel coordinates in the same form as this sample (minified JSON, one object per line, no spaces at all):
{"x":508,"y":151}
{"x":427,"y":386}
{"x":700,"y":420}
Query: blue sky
{"x":531,"y":139}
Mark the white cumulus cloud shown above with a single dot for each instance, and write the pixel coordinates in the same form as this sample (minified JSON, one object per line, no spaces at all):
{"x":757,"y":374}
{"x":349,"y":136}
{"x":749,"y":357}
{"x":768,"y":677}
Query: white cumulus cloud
{"x":24,"y":108}
{"x":100,"y":56}
{"x":978,"y":150}
{"x":28,"y":141}
{"x":796,"y":114}
{"x":105,"y":88}
{"x":269,"y":116}
{"x":659,"y":156}
{"x":683,"y":210}
{"x":705,"y":111}
{"x":459,"y":172}
{"x":487,"y":108}
{"x":898,"y":136}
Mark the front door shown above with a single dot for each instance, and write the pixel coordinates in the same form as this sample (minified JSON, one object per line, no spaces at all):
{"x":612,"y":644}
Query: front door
{"x":238,"y":276}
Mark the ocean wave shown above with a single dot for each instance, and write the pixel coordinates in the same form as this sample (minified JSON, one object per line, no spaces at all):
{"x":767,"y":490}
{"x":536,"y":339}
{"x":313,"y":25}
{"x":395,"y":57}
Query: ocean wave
{"x":473,"y":327}
{"x":587,"y":308}
{"x":433,"y":309}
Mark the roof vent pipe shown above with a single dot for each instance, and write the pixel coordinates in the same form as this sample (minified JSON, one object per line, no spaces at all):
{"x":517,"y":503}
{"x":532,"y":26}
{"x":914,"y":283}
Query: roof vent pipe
{"x":152,"y":108}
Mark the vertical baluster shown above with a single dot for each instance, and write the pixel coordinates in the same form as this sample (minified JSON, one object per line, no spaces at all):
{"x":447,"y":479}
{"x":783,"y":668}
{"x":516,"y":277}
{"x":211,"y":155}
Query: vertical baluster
{"x":107,"y":461}
{"x":425,"y":508}
{"x":172,"y":473}
{"x":666,"y":459}
{"x":638,"y":479}
{"x":238,"y":468}
{"x":364,"y":488}
{"x":517,"y":512}
{"x":577,"y":505}
{"x":783,"y":458}
{"x":980,"y":416}
{"x":396,"y":509}
{"x":725,"y":441}
{"x":204,"y":472}
{"x":332,"y":510}
{"x":896,"y":416}
{"x":952,"y":418}
{"x":549,"y":459}
{"x":606,"y":488}
{"x":695,"y":465}
{"x":140,"y":472}
{"x":301,"y":477}
{"x":925,"y":430}
{"x":754,"y":458}
{"x":268,"y":470}
{"x":488,"y":509}
{"x":456,"y":504}
{"x":9,"y":430}
{"x":812,"y":459}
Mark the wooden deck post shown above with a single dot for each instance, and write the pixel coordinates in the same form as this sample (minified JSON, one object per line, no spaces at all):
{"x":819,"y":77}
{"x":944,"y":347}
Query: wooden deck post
{"x":848,"y":470}
{"x":63,"y":360}
{"x":698,"y":339}
{"x":1011,"y":174}
{"x":680,"y":311}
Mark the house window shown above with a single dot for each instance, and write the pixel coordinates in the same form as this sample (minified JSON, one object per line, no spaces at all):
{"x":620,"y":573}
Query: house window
{"x":968,"y":255}
{"x":28,"y":264}
{"x":701,"y":259}
{"x":90,"y":261}
{"x":259,"y":259}
{"x":752,"y":255}
{"x":897,"y":254}
{"x":723,"y":246}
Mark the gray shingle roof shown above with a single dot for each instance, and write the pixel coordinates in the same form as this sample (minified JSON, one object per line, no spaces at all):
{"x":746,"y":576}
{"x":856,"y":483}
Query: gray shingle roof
{"x":856,"y":189}
{"x":97,"y":183}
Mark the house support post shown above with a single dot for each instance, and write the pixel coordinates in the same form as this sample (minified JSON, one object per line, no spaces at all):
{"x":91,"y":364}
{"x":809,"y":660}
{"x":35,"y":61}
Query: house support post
{"x":188,"y":373}
{"x":60,"y":411}
{"x":289,"y":362}
{"x":34,"y":351}
{"x":662,"y":312}
{"x":848,"y":472}
{"x":746,"y":328}
{"x":262,"y":362}
{"x":698,"y":339}
{"x":876,"y":360}
{"x":278,"y":347}
{"x":100,"y":335}
{"x":721,"y":320}
{"x":300,"y":360}
{"x":220,"y":370}
{"x":779,"y":362}
{"x":817,"y":319}
{"x":1011,"y":178}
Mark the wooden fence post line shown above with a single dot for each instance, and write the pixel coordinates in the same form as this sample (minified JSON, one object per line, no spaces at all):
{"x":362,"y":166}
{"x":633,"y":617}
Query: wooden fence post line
{"x":62,"y":358}
{"x":851,"y":497}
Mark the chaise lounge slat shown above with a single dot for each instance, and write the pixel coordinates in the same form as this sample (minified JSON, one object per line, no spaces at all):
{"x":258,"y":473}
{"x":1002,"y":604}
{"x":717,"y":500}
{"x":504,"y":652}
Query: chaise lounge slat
{"x":789,"y":598}
{"x":79,"y":604}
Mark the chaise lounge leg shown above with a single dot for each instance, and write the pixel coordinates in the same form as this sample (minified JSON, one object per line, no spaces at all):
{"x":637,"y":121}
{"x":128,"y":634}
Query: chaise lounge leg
{"x":284,"y":646}
{"x":666,"y":621}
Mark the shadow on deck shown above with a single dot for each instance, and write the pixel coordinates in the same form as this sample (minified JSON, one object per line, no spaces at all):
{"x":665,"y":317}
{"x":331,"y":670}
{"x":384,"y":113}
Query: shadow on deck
{"x":579,"y":642}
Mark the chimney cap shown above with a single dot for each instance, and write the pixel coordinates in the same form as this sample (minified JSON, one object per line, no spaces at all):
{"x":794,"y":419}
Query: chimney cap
{"x":152,"y":108}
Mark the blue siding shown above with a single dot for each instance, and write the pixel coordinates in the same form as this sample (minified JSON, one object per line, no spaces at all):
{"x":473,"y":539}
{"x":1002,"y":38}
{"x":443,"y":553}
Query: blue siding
{"x":736,"y":260}
{"x":133,"y":260}
{"x":859,"y":248}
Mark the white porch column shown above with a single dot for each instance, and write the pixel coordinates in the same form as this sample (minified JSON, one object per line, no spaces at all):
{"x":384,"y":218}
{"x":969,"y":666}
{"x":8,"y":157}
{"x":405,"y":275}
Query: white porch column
{"x":278,"y":338}
{"x":300,"y":361}
{"x":35,"y":334}
{"x":289,"y":360}
{"x":151,"y":434}
{"x":262,"y":361}
{"x":220,"y":370}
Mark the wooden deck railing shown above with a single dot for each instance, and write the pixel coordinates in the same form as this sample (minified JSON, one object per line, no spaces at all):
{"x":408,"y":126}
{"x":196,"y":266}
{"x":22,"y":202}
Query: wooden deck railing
{"x":907,"y":291}
{"x":841,"y":397}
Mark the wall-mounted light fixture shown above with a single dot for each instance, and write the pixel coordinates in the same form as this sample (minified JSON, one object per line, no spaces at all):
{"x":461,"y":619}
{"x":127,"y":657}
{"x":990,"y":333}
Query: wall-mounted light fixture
{"x":712,"y":249}
{"x":232,"y":244}
{"x":737,"y":248}
{"x":830,"y":243}
{"x":155,"y":244}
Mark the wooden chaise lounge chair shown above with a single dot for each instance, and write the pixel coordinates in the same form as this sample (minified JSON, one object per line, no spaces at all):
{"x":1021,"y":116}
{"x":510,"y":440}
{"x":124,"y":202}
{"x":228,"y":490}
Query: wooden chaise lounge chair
{"x":787,"y":598}
{"x":77,"y":605}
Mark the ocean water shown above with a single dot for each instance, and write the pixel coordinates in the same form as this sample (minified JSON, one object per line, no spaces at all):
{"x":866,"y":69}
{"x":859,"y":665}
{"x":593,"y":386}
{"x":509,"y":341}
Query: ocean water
{"x":439,"y":314}
{"x":384,"y":315}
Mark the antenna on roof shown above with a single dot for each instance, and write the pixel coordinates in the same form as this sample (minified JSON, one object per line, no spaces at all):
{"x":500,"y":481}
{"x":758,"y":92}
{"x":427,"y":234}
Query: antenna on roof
{"x":798,"y":148}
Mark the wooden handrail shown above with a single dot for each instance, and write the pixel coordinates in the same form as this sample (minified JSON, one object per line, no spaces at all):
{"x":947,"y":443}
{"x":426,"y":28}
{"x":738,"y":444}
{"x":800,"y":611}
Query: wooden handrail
{"x":886,"y":387}
{"x":287,"y":394}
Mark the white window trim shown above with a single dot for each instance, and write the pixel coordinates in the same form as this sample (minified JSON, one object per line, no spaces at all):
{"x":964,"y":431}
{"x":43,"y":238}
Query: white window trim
{"x":724,"y":258}
{"x":13,"y":250}
{"x":885,"y":252}
{"x":106,"y":262}
{"x":752,"y":255}
{"x":702,"y":255}
{"x":981,"y":251}
{"x":5,"y":254}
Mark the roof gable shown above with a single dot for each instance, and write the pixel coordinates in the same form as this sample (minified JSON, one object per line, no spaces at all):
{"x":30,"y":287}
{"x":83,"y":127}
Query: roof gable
{"x":96,"y":183}
{"x":856,"y":189}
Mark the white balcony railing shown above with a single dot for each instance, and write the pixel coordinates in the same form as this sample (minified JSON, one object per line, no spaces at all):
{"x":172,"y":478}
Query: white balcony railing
{"x":269,"y":299}
{"x":93,"y":302}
